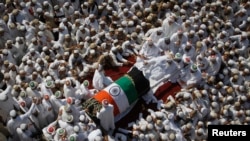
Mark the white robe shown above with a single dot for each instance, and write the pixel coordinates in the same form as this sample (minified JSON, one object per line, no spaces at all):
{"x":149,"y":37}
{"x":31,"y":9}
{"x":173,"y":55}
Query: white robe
{"x":106,"y":117}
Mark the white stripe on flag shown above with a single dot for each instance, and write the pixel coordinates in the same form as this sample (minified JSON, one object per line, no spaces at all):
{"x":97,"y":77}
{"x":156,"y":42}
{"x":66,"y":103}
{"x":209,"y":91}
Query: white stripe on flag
{"x":118,"y":96}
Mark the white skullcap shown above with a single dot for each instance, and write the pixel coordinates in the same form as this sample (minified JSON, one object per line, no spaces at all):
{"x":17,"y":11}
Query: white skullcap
{"x":164,"y":136}
{"x":61,"y":26}
{"x":109,"y":8}
{"x":33,"y":39}
{"x":86,"y":69}
{"x":143,"y":127}
{"x":124,"y":23}
{"x":41,"y":27}
{"x":150,"y":126}
{"x":40,"y":33}
{"x":181,"y":114}
{"x":91,"y":16}
{"x":214,"y":104}
{"x":142,"y":136}
{"x":172,"y":136}
{"x":23,"y":126}
{"x":213,"y":91}
{"x":92,"y":51}
{"x":45,"y":48}
{"x":76,"y":128}
{"x":39,"y":10}
{"x":120,"y":29}
{"x":131,"y":23}
{"x":243,"y":98}
{"x":13,"y":113}
{"x":149,"y":118}
{"x":186,"y":95}
{"x":81,"y":27}
{"x":56,"y":7}
{"x":213,"y":114}
{"x":230,"y":98}
{"x":125,"y":10}
{"x":170,"y":116}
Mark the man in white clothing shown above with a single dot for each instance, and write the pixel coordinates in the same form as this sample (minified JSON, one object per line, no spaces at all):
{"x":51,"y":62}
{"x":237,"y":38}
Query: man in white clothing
{"x":170,"y":26}
{"x":148,"y":51}
{"x":191,"y":78}
{"x":106,"y":116}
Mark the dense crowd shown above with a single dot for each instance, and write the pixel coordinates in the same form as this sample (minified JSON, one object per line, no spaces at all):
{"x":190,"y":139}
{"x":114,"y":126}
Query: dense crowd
{"x":54,"y":55}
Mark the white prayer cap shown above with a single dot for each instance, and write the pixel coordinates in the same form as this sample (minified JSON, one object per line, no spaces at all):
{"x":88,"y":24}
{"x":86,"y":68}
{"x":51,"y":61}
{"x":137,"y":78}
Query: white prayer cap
{"x":86,"y":69}
{"x":201,"y":32}
{"x":1,"y":29}
{"x":23,"y":126}
{"x":109,"y":8}
{"x":9,"y":42}
{"x":82,"y":118}
{"x":102,"y":22}
{"x":66,"y":4}
{"x":29,"y":62}
{"x":176,"y":7}
{"x":56,"y":7}
{"x":164,"y":137}
{"x":100,"y":7}
{"x":131,"y":23}
{"x":41,"y":27}
{"x":40,"y":33}
{"x":81,"y":27}
{"x":39,"y":10}
{"x":149,"y":118}
{"x":170,"y":116}
{"x":91,"y":16}
{"x":230,"y":98}
{"x":13,"y":113}
{"x":213,"y":91}
{"x":76,"y":51}
{"x":204,"y":111}
{"x":214,"y":104}
{"x":143,"y":127}
{"x":120,"y":29}
{"x":61,"y":26}
{"x":15,"y":11}
{"x":46,"y":3}
{"x":172,"y":136}
{"x":200,"y":123}
{"x":124,"y":23}
{"x":45,"y":48}
{"x":141,"y":136}
{"x":125,"y":10}
{"x":102,"y":33}
{"x":167,"y":127}
{"x":181,"y":114}
{"x":22,"y":4}
{"x":150,"y":126}
{"x":213,"y":114}
{"x":33,"y":39}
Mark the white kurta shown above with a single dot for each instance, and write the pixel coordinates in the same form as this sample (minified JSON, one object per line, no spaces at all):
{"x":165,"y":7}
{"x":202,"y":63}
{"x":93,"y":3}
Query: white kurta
{"x":106,"y":117}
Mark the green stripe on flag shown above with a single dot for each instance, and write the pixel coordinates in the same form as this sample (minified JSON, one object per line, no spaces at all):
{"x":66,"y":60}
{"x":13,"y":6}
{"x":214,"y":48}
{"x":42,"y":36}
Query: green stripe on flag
{"x":128,"y":87}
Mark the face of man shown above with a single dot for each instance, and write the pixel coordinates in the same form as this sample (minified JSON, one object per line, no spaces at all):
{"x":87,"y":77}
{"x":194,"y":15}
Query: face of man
{"x":150,"y":43}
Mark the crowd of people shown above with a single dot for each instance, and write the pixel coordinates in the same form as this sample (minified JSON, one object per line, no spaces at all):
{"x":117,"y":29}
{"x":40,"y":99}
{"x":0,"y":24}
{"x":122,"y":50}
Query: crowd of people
{"x":51,"y":49}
